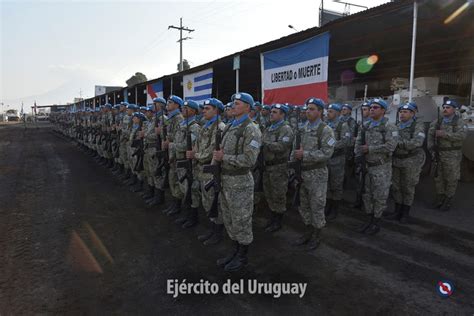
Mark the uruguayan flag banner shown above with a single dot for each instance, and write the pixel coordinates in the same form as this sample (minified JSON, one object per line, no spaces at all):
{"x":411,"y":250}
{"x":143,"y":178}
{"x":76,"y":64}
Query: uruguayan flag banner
{"x":198,"y":86}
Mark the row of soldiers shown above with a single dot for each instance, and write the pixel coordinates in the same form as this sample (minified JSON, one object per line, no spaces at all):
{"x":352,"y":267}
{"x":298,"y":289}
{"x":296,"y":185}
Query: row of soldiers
{"x":219,"y":158}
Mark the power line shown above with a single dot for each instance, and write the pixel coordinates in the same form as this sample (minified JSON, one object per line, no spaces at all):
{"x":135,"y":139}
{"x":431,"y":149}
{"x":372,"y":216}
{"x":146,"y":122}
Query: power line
{"x":181,"y":39}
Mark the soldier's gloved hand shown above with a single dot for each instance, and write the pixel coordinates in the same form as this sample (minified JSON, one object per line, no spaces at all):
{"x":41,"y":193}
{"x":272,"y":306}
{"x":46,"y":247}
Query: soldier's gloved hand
{"x":165,"y":144}
{"x":141,"y":134}
{"x":157,"y":130}
{"x":364,"y":148}
{"x":440,"y":133}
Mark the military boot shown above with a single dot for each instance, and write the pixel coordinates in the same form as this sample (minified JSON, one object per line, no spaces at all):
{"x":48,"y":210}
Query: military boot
{"x":149,"y":192}
{"x":225,"y":260}
{"x":439,"y":201}
{"x":132,"y":181}
{"x":138,"y":187}
{"x":174,"y":208}
{"x":157,"y":199}
{"x":184,"y":217}
{"x":305,"y":237}
{"x":115,"y":167}
{"x":240,"y":259}
{"x":208,"y":234}
{"x":275,"y":224}
{"x":366,"y":225}
{"x":192,"y":219}
{"x":315,"y":240}
{"x":126,"y":174}
{"x":446,"y":204}
{"x":333,"y":210}
{"x":405,"y":214}
{"x":216,"y":236}
{"x":397,"y":213}
{"x":374,"y":228}
{"x":327,"y":208}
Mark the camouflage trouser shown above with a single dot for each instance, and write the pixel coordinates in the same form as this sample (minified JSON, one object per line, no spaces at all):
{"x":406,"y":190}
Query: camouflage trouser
{"x":195,"y":188}
{"x":336,"y":169}
{"x":449,"y":173}
{"x":275,"y":179}
{"x":405,"y":177}
{"x":149,"y":165}
{"x":236,"y":201}
{"x":313,"y":197}
{"x":173,"y":182}
{"x":377,"y":186}
{"x":207,"y":197}
{"x":124,"y":154}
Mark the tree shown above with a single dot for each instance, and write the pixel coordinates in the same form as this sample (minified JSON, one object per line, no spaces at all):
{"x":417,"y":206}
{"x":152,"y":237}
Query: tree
{"x":137,"y":78}
{"x":185,"y":65}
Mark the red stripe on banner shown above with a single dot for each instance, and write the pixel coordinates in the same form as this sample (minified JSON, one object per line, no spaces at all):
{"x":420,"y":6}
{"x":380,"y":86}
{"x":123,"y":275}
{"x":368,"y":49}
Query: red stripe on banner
{"x":150,"y":91}
{"x":297,"y":94}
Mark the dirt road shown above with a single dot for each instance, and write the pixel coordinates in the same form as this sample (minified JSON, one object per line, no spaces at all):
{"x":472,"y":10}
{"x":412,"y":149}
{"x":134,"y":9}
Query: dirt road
{"x":73,"y":239}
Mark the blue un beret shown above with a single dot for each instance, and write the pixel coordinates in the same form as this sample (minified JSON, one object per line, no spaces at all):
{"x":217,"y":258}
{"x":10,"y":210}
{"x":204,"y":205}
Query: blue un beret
{"x":257,"y":104}
{"x":450,"y":103}
{"x":176,"y":99}
{"x":143,"y":108}
{"x":380,"y":102}
{"x":282,"y":107}
{"x":266,"y":107}
{"x":244,"y":97}
{"x":345,"y":105}
{"x":139,"y":115}
{"x":117,"y":107}
{"x":159,"y":100}
{"x":191,"y":104}
{"x":124,"y":103}
{"x":408,"y":106}
{"x":108,"y":105}
{"x":215,"y":103}
{"x":132,"y":107}
{"x":365,"y":104}
{"x":315,"y":101}
{"x":335,"y":107}
{"x":149,"y":108}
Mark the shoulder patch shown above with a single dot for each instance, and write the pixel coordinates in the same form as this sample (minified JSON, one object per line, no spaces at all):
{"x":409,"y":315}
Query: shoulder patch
{"x":421,"y":134}
{"x":395,"y":133}
{"x":348,"y":134}
{"x":331,"y":141}
{"x":285,"y":139}
{"x":254,"y":144}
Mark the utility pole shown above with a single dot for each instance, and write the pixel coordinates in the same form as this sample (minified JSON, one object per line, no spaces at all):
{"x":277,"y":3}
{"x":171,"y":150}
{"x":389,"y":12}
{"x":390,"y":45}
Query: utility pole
{"x":181,"y":39}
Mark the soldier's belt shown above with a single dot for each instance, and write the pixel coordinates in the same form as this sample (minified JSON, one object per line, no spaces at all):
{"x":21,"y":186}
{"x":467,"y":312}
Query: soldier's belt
{"x":405,"y":156}
{"x":235,"y":172}
{"x":378,"y":162}
{"x":313,"y":166}
{"x":275,"y":162}
{"x":339,"y":152}
{"x":450,"y":148}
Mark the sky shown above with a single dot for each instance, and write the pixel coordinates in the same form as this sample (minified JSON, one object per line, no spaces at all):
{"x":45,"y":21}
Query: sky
{"x":53,"y":51}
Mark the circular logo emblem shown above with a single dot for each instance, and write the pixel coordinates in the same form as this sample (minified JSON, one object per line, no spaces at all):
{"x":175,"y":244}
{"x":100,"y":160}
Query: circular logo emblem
{"x":189,"y":85}
{"x":445,"y":288}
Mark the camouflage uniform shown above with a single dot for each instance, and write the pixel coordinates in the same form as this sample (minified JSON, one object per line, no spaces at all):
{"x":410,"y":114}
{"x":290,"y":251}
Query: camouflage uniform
{"x":179,"y":148}
{"x":277,"y":140}
{"x":336,"y":165}
{"x":205,"y":146}
{"x":318,"y":141}
{"x":450,"y":154}
{"x":241,"y":145}
{"x":408,"y":159}
{"x":173,"y":121}
{"x":381,"y":138}
{"x":124,"y":138}
{"x":149,"y":161}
